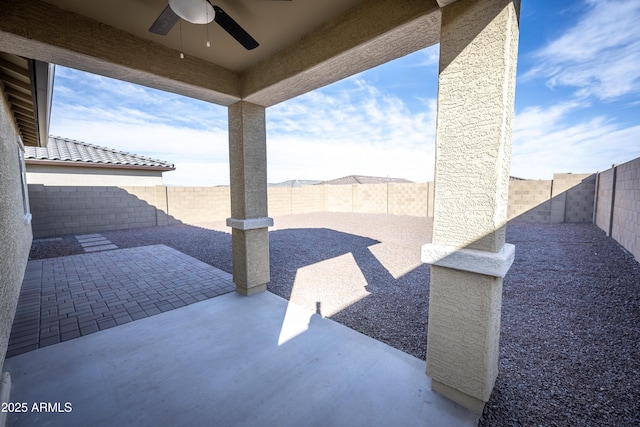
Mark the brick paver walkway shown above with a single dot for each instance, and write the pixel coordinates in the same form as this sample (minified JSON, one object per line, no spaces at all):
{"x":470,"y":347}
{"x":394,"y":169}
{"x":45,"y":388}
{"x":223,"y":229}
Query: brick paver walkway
{"x":67,"y":297}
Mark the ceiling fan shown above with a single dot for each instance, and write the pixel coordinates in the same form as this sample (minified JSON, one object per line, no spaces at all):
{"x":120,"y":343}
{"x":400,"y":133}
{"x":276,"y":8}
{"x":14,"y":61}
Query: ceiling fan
{"x":201,"y":12}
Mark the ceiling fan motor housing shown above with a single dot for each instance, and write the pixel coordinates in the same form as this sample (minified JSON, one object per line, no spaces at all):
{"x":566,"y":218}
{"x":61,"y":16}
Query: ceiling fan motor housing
{"x":194,"y":11}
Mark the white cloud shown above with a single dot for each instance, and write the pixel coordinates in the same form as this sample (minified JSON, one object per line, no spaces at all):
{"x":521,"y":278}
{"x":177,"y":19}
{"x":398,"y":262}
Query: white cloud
{"x":188,"y":149}
{"x":352,"y":128}
{"x":430,"y":57}
{"x":190,"y":134}
{"x":547,"y":142}
{"x":599,"y":55}
{"x":191,"y":173}
{"x":359,"y":130}
{"x":81,"y":95}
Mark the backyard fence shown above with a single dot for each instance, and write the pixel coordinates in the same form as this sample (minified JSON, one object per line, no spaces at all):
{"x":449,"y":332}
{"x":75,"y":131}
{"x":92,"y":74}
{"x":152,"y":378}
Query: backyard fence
{"x":611,"y":199}
{"x":617,"y":208}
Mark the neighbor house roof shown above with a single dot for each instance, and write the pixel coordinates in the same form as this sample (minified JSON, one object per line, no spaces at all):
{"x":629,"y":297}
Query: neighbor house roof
{"x":68,"y":152}
{"x":359,"y":179}
{"x":295,"y":183}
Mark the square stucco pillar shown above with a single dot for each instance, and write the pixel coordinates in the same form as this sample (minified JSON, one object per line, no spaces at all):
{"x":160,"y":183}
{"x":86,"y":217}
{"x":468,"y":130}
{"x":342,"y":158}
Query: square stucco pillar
{"x":468,"y":254}
{"x":249,"y":220}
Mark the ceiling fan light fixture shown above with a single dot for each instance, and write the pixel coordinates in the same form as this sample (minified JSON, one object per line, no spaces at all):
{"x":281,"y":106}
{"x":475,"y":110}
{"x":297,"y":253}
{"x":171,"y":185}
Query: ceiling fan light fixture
{"x":194,"y":11}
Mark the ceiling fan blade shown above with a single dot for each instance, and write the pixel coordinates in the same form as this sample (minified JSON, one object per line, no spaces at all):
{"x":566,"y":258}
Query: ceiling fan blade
{"x":234,"y":29}
{"x":165,"y":22}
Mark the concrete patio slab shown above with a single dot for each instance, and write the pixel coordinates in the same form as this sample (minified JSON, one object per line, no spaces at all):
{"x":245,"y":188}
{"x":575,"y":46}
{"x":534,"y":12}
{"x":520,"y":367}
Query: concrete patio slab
{"x":229,"y":361}
{"x":84,"y":240}
{"x":95,"y":243}
{"x":99,"y":248}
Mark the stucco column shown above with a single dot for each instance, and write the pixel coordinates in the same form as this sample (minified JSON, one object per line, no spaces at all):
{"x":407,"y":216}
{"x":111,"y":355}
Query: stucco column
{"x":469,"y":257}
{"x":249,"y":220}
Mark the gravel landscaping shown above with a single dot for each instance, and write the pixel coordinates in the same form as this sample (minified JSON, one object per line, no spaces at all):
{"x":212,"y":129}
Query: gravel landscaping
{"x":570,"y":338}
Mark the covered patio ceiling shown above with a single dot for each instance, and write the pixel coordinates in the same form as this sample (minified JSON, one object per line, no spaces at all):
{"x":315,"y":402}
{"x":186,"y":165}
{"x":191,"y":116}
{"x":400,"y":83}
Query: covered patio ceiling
{"x":311,"y":44}
{"x":303,"y":45}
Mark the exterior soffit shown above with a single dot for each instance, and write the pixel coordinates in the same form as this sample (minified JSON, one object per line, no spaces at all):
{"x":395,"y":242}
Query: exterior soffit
{"x":39,"y":30}
{"x":274,"y":24}
{"x":27,"y":88}
{"x":367,"y":35}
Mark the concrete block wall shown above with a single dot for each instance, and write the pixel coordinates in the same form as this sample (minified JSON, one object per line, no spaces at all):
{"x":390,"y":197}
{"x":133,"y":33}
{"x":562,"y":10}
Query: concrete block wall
{"x":618,"y":205}
{"x":279,"y":201}
{"x":604,"y":198}
{"x":394,"y":199}
{"x":572,"y":198}
{"x":371,"y":198}
{"x":59,"y":210}
{"x":566,"y":198}
{"x":198,"y":204}
{"x":410,"y":199}
{"x":626,"y":211}
{"x":153,"y":196}
{"x":580,"y":199}
{"x":307,"y":199}
{"x":530,"y":201}
{"x":339,"y":198}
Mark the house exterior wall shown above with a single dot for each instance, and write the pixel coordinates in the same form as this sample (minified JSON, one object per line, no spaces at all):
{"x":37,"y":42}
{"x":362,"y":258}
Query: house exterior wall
{"x":15,"y":235}
{"x":85,"y":176}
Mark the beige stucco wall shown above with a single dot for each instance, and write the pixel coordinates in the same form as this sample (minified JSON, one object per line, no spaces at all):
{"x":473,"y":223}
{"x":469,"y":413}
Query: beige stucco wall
{"x":15,"y":235}
{"x":476,"y":86}
{"x":87,"y":176}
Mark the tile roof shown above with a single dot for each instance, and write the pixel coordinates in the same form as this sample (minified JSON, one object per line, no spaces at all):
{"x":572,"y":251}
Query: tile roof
{"x":295,"y":183}
{"x":67,"y":150}
{"x":359,"y":179}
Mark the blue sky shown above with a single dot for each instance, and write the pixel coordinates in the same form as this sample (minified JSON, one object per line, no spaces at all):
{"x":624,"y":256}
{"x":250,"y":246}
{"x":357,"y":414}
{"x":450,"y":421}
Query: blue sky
{"x":577,"y":109}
